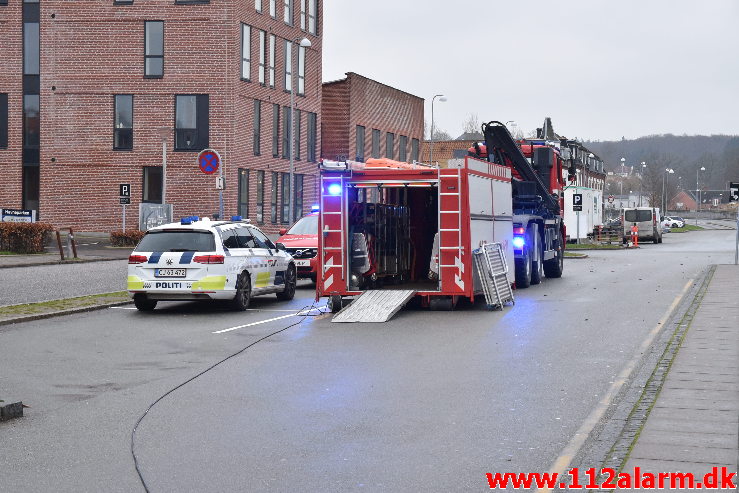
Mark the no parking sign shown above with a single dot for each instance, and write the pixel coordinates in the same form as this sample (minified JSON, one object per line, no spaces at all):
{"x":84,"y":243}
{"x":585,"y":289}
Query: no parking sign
{"x":209,"y":161}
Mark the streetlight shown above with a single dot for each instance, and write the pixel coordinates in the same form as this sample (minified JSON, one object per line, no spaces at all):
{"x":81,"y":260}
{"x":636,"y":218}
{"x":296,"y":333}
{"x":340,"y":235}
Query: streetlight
{"x":163,"y":133}
{"x":304,"y":43}
{"x":442,"y":99}
{"x":641,"y":180}
{"x":698,"y":193}
{"x":623,"y":161}
{"x":665,"y":180}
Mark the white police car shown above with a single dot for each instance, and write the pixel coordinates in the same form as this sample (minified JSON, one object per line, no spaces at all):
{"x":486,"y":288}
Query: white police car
{"x":200,"y":259}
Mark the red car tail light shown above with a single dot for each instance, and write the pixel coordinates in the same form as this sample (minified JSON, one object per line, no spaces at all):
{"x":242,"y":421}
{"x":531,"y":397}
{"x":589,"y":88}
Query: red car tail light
{"x":208,"y":259}
{"x":519,"y":231}
{"x":137,"y":259}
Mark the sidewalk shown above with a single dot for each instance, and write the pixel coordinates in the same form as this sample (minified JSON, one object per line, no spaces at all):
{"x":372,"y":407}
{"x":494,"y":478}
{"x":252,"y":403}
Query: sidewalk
{"x":694,"y":424}
{"x":90,"y":248}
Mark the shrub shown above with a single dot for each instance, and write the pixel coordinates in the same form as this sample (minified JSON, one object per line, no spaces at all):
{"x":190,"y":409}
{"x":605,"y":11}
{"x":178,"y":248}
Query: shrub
{"x":24,"y":237}
{"x":126,"y":238}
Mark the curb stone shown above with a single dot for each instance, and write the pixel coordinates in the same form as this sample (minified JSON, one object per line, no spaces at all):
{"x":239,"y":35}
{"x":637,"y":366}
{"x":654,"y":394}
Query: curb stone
{"x":57,"y":313}
{"x":59,"y":262}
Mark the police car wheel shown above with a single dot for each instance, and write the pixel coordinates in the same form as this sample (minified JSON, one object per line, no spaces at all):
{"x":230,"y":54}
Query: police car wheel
{"x":243,"y":292}
{"x":143,"y":304}
{"x":290,"y":283}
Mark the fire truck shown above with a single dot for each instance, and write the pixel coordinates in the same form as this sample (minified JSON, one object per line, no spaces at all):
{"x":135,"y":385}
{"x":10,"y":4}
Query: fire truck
{"x":391,"y":231}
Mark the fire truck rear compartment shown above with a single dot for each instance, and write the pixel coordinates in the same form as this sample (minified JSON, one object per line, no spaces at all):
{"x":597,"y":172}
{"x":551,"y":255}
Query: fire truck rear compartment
{"x":391,"y":233}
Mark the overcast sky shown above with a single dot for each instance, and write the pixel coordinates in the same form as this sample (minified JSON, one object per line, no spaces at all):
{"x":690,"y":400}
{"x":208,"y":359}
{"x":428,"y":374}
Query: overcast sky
{"x":601,"y":69}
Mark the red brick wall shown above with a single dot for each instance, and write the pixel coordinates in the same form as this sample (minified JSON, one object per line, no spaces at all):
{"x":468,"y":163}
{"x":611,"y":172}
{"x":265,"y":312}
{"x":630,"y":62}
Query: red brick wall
{"x":92,"y":50}
{"x":11,"y":61}
{"x":374,"y":106}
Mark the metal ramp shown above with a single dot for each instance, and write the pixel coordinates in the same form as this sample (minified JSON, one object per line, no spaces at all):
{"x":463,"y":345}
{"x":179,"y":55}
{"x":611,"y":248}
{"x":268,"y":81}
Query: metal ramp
{"x":376,"y":305}
{"x":491,"y":266}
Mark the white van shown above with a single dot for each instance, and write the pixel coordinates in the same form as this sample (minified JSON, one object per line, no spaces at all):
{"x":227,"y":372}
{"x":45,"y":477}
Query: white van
{"x":647,"y":219}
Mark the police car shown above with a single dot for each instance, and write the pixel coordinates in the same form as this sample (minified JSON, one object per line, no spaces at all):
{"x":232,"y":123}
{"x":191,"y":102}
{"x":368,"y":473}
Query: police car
{"x":200,"y":259}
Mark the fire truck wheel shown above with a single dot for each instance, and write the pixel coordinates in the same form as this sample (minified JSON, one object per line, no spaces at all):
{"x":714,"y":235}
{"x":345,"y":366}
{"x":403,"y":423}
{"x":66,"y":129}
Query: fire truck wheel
{"x":334,"y":303}
{"x":553,"y":267}
{"x":441,"y":303}
{"x":523,"y":270}
{"x":537,"y":271}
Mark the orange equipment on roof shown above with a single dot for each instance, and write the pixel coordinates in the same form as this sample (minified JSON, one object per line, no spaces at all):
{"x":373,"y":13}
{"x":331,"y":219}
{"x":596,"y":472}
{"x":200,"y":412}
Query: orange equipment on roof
{"x":385,"y":163}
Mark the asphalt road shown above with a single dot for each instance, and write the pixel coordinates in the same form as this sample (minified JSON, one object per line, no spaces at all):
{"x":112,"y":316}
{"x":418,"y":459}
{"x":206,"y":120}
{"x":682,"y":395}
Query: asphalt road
{"x":53,"y":282}
{"x":428,"y":401}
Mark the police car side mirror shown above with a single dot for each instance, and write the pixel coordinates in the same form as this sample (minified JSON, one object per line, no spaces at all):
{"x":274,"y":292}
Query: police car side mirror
{"x":280,"y":247}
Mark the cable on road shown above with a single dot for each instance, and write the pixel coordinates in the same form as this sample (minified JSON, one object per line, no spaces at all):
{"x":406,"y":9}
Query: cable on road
{"x":305,"y":312}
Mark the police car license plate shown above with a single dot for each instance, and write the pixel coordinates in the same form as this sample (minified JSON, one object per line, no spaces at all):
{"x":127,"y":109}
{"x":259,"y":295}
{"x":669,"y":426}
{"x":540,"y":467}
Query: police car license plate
{"x":302,"y":263}
{"x":170,"y":273}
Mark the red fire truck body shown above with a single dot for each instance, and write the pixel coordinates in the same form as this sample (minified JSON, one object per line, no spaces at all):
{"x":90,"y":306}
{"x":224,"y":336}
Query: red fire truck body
{"x":390,"y":225}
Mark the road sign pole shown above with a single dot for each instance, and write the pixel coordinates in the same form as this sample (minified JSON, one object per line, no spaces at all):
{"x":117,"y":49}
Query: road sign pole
{"x":220,"y":192}
{"x":124,"y":217}
{"x":578,"y":226}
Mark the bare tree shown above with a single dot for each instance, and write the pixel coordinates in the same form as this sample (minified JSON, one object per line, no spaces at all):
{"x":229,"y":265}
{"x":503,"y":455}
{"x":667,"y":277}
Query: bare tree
{"x":440,"y":134}
{"x":471,"y":124}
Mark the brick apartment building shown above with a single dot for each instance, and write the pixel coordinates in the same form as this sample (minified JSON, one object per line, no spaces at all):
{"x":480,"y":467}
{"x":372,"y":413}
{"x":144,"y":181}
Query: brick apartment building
{"x":363,"y":119}
{"x":90,"y":89}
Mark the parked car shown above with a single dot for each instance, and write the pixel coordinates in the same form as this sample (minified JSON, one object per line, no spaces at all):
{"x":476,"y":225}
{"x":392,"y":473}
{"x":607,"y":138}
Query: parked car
{"x":301,"y":241}
{"x":200,"y":259}
{"x":674,"y":221}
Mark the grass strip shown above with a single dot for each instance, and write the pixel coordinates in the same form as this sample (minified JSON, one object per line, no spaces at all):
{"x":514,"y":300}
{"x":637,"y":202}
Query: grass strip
{"x":43,"y":307}
{"x":686,"y":228}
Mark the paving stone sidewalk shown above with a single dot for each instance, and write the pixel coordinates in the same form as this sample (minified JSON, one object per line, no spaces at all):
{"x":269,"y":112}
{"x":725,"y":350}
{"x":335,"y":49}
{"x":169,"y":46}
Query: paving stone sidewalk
{"x":694,"y":424}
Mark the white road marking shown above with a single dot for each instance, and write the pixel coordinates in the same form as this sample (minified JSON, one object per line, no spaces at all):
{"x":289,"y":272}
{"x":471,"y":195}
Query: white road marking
{"x":577,"y":441}
{"x":255,"y":323}
{"x":123,"y":307}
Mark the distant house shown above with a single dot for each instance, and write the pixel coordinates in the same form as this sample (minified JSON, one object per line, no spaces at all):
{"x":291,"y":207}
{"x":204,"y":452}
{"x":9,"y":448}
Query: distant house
{"x":683,"y":201}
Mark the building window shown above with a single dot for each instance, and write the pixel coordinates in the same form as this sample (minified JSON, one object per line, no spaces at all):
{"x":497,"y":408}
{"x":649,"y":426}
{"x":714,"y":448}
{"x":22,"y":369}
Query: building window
{"x":301,"y":70}
{"x":272,"y":48}
{"x":245,"y":52}
{"x":298,"y":116}
{"x":288,"y":66}
{"x":360,"y":143}
{"x":286,"y":131}
{"x":154,"y":49}
{"x":152,"y":188}
{"x":3,"y":121}
{"x":285,"y":209}
{"x":262,"y":55}
{"x":289,"y":12}
{"x":414,"y":150}
{"x":298,"y":211}
{"x":260,"y":197}
{"x":375,"y":143}
{"x":312,"y":120}
{"x":302,"y":15}
{"x":243,"y":193}
{"x":31,"y":128}
{"x":273,"y":8}
{"x":123,"y":123}
{"x":313,"y":17}
{"x":31,"y":49}
{"x":258,"y":5}
{"x":191,"y":122}
{"x":403,"y":148}
{"x":275,"y":130}
{"x":273,"y":199}
{"x":390,"y":145}
{"x":257,"y":127}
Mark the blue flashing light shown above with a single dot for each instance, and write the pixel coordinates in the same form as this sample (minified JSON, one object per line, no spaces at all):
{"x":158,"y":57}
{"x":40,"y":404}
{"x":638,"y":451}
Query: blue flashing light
{"x":186,"y":220}
{"x":315,"y":208}
{"x":334,"y":189}
{"x":194,"y":218}
{"x":236,"y":218}
{"x":518,"y":242}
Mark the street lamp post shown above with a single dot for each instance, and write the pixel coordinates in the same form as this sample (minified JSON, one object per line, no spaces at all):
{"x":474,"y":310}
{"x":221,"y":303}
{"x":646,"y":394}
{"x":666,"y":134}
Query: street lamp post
{"x":623,"y":162}
{"x":304,"y":43}
{"x":665,"y":176}
{"x":698,"y":193}
{"x":442,"y":99}
{"x":163,"y":133}
{"x":641,"y":180}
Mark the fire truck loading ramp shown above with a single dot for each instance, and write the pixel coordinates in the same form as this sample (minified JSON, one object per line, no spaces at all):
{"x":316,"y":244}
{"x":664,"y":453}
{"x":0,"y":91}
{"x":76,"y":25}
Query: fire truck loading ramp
{"x":375,"y":305}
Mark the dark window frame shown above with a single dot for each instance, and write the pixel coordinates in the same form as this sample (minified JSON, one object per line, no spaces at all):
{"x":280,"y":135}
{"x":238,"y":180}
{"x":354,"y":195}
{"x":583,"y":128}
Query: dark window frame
{"x":403,"y":148}
{"x":257,"y":123}
{"x":146,"y":57}
{"x":298,"y":185}
{"x":121,"y":130}
{"x":202,"y":123}
{"x":296,"y":126}
{"x":360,"y":142}
{"x":312,"y":136}
{"x":273,"y":197}
{"x":376,"y":151}
{"x":243,"y":192}
{"x":3,"y":121}
{"x":390,"y":145}
{"x":260,"y":196}
{"x":144,"y":185}
{"x":415,"y":149}
{"x":275,"y":130}
{"x":287,"y":131}
{"x":285,"y":198}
